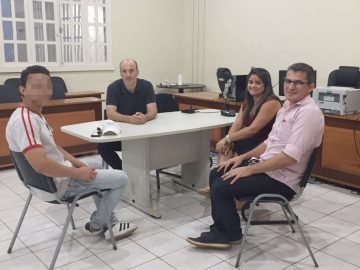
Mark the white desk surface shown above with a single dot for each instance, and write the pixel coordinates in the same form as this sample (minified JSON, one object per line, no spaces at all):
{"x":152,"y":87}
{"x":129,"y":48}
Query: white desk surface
{"x":164,"y":124}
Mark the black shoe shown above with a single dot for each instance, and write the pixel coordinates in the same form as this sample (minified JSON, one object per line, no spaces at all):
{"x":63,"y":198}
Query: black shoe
{"x":210,"y":240}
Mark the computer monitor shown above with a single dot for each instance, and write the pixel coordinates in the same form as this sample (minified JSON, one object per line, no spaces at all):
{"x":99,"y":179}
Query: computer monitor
{"x":282,"y":75}
{"x":239,"y":87}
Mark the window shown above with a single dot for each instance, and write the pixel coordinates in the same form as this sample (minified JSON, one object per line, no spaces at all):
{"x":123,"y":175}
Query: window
{"x":60,"y":34}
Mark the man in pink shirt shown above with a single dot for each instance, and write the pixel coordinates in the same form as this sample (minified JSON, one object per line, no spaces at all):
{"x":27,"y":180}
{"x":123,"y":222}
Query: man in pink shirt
{"x":283,"y":156}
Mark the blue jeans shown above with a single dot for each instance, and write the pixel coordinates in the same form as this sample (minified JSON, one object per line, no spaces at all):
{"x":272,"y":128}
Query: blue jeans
{"x":115,"y":180}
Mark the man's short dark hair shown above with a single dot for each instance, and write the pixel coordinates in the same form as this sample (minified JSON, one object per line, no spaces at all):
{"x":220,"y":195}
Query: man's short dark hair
{"x":32,"y":70}
{"x":307,"y":69}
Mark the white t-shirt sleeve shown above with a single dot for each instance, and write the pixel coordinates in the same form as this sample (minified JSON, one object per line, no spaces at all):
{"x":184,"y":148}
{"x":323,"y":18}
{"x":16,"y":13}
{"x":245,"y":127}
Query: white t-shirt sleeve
{"x":23,"y":132}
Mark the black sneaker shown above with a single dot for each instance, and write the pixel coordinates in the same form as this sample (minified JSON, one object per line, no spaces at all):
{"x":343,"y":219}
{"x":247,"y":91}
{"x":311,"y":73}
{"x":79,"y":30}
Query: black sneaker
{"x":92,"y":230}
{"x":210,"y":240}
{"x":234,"y":241}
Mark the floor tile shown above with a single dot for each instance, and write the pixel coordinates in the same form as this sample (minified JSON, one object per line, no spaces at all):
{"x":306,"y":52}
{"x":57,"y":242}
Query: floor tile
{"x":43,"y":239}
{"x":355,"y":237}
{"x":19,"y":249}
{"x":198,"y":209}
{"x":32,"y":224}
{"x":90,"y":263}
{"x":145,"y":228}
{"x":345,"y":250}
{"x":316,"y":238}
{"x":70,"y":251}
{"x":5,"y":233}
{"x":325,"y":262}
{"x":259,"y":259}
{"x":343,"y":197}
{"x":154,"y":264}
{"x":13,"y":214}
{"x":335,"y":226}
{"x":191,"y":229}
{"x":327,"y":206}
{"x":127,"y":256}
{"x":350,"y":214}
{"x":11,"y":202}
{"x":191,"y":258}
{"x":176,"y":200}
{"x":171,"y":218}
{"x":222,"y":266}
{"x":158,"y":244}
{"x":24,"y":262}
{"x":286,"y":249}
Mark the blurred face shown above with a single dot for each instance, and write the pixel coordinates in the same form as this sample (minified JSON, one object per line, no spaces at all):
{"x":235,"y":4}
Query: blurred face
{"x":128,"y":72}
{"x":296,"y":86}
{"x":255,"y":86}
{"x":38,"y":89}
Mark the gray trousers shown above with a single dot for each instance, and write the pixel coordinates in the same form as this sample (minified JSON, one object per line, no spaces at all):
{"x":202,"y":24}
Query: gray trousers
{"x":115,"y":180}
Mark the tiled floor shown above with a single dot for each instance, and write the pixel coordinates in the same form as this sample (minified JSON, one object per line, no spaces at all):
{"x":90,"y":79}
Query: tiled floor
{"x":330,"y":218}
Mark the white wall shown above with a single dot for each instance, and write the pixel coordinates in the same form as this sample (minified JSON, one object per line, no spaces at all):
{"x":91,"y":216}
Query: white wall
{"x":195,"y":37}
{"x":153,"y":32}
{"x":273,"y":34}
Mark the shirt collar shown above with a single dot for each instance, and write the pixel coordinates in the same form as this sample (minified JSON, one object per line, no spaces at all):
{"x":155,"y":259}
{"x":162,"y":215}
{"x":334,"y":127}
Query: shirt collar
{"x":303,"y":101}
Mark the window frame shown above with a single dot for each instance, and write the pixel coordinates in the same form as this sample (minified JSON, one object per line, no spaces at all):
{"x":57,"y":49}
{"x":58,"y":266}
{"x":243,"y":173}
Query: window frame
{"x":59,"y":65}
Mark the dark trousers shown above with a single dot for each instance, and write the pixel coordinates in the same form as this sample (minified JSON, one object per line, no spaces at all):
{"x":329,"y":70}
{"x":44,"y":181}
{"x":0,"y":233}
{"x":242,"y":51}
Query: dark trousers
{"x":108,"y":153}
{"x":224,"y":212}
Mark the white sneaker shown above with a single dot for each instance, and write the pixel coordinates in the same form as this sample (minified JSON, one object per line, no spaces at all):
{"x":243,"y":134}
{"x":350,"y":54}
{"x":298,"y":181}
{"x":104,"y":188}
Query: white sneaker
{"x":121,"y":230}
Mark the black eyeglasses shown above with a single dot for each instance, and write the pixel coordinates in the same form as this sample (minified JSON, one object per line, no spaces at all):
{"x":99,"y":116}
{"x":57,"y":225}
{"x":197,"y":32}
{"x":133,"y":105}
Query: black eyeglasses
{"x":297,"y":84}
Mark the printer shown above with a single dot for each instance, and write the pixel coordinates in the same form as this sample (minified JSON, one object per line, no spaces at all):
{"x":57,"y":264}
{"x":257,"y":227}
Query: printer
{"x":337,"y":100}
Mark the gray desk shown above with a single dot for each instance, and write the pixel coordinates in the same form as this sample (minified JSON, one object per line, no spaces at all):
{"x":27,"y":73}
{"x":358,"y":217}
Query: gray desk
{"x":171,"y":139}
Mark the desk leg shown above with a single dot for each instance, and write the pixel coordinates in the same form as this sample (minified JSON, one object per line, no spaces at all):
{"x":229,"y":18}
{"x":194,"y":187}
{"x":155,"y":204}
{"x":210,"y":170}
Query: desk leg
{"x":135,"y":156}
{"x":195,"y":175}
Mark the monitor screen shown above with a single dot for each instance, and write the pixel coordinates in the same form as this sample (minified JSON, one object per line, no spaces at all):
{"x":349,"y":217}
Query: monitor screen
{"x":240,"y":86}
{"x":282,"y":75}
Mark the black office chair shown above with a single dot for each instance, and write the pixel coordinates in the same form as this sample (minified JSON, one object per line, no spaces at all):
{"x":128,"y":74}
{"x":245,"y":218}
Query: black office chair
{"x":30,"y":178}
{"x":9,"y":95}
{"x":345,"y":76}
{"x":59,"y":88}
{"x":165,"y":103}
{"x":285,"y":206}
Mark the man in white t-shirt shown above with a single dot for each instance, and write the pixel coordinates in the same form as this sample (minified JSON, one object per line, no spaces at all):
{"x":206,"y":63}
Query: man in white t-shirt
{"x":28,"y":132}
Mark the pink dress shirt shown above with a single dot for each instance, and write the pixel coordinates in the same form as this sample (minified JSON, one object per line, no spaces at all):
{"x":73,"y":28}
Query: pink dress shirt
{"x":297,"y":130}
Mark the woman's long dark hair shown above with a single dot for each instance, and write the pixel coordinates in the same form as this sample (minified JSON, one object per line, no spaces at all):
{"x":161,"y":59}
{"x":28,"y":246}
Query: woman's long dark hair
{"x":264,"y":76}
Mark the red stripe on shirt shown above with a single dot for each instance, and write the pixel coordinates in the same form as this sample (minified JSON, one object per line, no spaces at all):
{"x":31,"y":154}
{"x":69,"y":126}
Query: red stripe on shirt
{"x":24,"y":123}
{"x":31,"y":147}
{"x":32,"y":129}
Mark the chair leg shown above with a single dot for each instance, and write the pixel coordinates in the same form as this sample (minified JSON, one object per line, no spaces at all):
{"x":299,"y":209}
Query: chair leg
{"x":113,"y":242}
{"x":19,"y":223}
{"x":287,"y":217}
{"x":158,"y":179}
{"x":243,"y":240}
{"x":293,"y":216}
{"x":62,"y":236}
{"x":72,"y":219}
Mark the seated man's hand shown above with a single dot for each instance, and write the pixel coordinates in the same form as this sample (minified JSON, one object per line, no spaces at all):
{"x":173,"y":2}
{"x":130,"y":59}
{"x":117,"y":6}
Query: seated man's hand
{"x":237,"y":173}
{"x":138,"y":118}
{"x":230,"y":164}
{"x":85,"y":174}
{"x":78,"y":163}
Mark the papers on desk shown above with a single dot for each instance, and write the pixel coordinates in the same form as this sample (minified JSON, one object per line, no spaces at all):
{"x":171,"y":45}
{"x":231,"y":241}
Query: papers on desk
{"x":208,"y":110}
{"x":110,"y":127}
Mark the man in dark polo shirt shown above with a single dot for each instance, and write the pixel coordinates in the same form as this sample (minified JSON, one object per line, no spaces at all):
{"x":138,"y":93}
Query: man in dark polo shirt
{"x":129,"y":100}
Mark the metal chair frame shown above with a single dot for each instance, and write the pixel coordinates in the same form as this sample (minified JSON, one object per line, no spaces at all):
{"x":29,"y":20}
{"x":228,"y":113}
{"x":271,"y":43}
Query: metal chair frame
{"x":49,"y":186}
{"x":291,"y":218}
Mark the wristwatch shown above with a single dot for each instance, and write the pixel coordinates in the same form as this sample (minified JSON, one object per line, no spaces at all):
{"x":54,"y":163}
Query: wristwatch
{"x":227,"y":138}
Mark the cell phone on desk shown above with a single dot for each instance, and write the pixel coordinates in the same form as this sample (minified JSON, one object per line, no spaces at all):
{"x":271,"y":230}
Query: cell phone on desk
{"x":96,"y":133}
